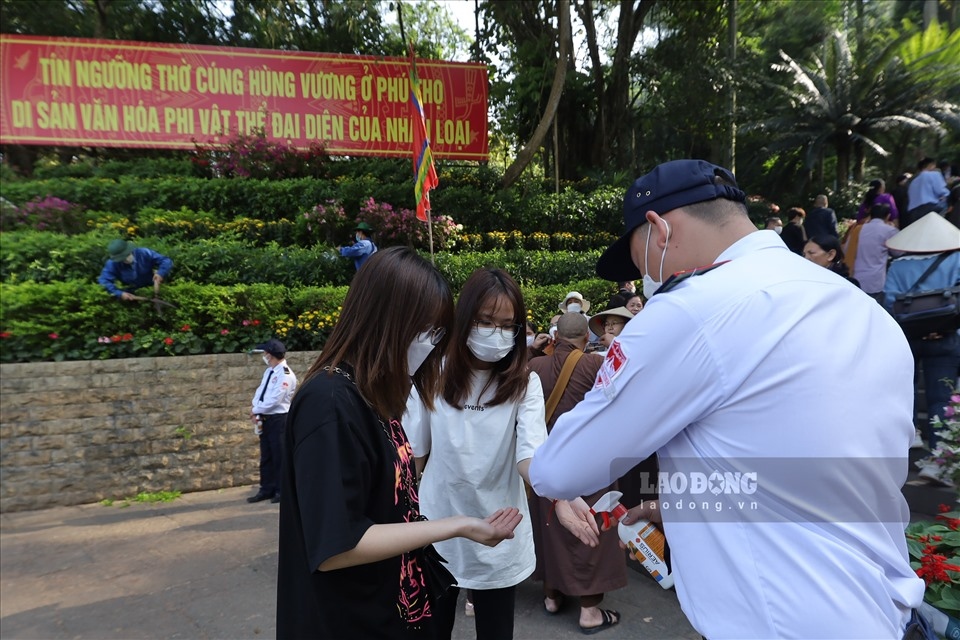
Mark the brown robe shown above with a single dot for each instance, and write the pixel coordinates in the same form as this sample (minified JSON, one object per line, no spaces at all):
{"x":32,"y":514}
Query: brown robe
{"x":563,"y":562}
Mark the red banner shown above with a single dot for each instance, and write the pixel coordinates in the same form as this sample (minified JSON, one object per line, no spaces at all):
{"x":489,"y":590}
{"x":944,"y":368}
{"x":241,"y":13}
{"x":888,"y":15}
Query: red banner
{"x":112,"y":93}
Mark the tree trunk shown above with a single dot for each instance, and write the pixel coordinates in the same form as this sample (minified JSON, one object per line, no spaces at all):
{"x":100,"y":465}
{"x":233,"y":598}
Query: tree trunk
{"x":617,"y":97}
{"x":843,"y":166}
{"x":559,"y":78}
{"x":601,"y":151}
{"x":929,"y":12}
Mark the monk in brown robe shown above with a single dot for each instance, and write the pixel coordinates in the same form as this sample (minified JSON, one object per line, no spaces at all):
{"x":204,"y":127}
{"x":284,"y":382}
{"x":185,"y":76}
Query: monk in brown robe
{"x":566,"y":566}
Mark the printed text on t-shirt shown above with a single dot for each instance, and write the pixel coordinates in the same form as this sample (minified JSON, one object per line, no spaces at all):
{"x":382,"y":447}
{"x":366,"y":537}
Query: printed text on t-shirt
{"x":473,"y":407}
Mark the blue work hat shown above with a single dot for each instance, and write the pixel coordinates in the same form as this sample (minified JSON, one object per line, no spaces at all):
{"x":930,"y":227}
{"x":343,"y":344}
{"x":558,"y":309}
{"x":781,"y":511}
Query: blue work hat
{"x":272,"y":346}
{"x":669,"y":186}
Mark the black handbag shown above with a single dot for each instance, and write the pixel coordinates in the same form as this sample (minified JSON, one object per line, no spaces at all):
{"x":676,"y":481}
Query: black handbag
{"x":435,"y":574}
{"x":920,"y":313}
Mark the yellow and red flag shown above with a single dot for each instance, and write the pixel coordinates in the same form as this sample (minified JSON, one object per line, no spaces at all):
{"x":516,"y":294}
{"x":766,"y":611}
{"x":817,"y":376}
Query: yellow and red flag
{"x":424,"y":173}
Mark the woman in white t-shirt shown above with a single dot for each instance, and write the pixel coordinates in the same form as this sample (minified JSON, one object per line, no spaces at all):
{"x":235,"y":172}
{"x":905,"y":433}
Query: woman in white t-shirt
{"x":478,"y":442}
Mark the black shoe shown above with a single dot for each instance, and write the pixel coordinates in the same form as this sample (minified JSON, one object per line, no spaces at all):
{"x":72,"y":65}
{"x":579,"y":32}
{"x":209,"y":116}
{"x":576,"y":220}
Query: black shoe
{"x":275,"y":499}
{"x":260,"y":496}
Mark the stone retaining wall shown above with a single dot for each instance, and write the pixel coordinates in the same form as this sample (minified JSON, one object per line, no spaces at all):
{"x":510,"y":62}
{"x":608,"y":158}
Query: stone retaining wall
{"x":79,"y":432}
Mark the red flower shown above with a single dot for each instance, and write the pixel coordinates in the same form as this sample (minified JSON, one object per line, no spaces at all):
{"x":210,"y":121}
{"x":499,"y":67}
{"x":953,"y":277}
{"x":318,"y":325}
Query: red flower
{"x":52,"y":336}
{"x":114,"y":338}
{"x":168,"y":341}
{"x":224,"y":332}
{"x":127,"y":336}
{"x":185,"y":327}
{"x":934,"y":567}
{"x":5,"y":335}
{"x":943,"y":508}
{"x":256,"y":322}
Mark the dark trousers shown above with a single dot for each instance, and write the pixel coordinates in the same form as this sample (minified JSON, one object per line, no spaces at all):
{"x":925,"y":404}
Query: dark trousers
{"x":941,"y":362}
{"x":493,"y":613}
{"x":271,"y":452}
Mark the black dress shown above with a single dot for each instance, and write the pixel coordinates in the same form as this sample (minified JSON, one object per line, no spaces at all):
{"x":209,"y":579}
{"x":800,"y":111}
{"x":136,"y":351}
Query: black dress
{"x":344,"y":471}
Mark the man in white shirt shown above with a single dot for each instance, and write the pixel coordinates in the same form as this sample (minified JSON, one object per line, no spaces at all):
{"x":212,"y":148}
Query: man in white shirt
{"x":271,"y":402}
{"x":780,"y":478}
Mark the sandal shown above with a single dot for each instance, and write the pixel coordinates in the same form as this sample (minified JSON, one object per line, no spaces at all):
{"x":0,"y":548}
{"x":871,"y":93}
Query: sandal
{"x":610,"y":618}
{"x":559,"y":600}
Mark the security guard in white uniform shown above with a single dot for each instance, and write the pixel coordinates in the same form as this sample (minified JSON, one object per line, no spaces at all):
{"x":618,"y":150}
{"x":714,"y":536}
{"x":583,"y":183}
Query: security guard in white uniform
{"x":780,"y":473}
{"x":271,"y":402}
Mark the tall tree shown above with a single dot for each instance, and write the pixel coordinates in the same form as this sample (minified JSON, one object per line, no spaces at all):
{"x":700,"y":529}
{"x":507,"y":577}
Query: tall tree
{"x":845,"y":104}
{"x":536,"y":140}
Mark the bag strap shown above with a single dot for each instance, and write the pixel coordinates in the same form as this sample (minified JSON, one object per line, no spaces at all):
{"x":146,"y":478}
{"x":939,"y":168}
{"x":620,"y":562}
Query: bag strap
{"x":930,"y":269}
{"x":568,"y":366}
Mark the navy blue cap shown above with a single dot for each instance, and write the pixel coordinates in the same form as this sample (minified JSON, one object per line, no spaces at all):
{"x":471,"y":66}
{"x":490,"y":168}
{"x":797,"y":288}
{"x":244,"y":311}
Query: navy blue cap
{"x":272,"y":346}
{"x":669,"y":186}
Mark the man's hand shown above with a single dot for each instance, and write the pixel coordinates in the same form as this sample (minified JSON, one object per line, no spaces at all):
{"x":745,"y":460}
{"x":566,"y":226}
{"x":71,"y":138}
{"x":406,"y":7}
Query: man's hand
{"x":127,"y":297}
{"x":157,"y":278}
{"x":648,"y":510}
{"x":576,"y":517}
{"x":541,"y":341}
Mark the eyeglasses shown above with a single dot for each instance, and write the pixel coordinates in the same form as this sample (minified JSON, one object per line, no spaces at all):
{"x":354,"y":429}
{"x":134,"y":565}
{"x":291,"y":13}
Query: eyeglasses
{"x":487,"y":328}
{"x":433,"y":336}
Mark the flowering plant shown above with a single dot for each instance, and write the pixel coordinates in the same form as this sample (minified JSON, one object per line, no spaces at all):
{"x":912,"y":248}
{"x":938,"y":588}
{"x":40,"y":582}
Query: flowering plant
{"x":327,"y":220}
{"x":946,"y":454}
{"x":43,"y":214}
{"x":935,"y":555}
{"x":394,"y":226}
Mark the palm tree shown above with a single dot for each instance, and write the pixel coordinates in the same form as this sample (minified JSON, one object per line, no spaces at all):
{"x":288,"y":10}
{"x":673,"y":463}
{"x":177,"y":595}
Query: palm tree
{"x":850,"y":102}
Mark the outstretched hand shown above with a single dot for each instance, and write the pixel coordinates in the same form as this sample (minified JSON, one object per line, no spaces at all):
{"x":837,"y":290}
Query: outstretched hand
{"x":495,"y":528}
{"x":576,"y":517}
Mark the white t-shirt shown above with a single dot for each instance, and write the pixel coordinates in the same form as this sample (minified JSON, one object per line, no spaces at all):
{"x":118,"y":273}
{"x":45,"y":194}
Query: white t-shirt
{"x":472,"y":470}
{"x":768,"y":363}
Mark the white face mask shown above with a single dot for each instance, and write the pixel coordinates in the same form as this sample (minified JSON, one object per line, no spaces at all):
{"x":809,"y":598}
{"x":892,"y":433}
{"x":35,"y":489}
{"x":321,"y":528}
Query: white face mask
{"x":358,"y":237}
{"x":489,"y":348}
{"x":574,"y":307}
{"x":779,"y":230}
{"x":418,"y":351}
{"x":128,"y":259}
{"x":650,"y":286}
{"x":266,"y":360}
{"x":530,"y":340}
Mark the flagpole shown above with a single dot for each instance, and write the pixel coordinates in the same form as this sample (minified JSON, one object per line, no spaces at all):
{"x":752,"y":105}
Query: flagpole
{"x":430,"y":235}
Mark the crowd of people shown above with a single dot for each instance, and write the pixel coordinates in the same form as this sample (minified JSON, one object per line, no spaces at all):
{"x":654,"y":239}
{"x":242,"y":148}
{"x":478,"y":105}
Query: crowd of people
{"x":437,"y":445}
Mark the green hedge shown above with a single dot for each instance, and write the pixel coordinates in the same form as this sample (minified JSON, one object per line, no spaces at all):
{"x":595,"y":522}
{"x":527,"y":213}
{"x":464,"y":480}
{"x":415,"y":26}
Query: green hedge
{"x":79,"y":321}
{"x":228,"y":259}
{"x":473,"y":204}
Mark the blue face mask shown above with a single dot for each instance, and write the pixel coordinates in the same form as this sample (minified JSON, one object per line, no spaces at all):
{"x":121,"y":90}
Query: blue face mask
{"x":358,"y":237}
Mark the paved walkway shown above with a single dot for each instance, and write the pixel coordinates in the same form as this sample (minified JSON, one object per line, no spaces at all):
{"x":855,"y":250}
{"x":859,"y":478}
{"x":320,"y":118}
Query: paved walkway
{"x":205,"y":566}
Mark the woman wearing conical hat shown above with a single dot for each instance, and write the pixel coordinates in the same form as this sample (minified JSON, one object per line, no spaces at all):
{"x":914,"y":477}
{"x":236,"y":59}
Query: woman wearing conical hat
{"x":923,"y":243}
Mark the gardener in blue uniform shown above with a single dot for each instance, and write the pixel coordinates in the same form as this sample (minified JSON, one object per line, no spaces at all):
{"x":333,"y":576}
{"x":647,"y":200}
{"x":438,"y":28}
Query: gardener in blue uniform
{"x":134,"y":267}
{"x":363,"y":246}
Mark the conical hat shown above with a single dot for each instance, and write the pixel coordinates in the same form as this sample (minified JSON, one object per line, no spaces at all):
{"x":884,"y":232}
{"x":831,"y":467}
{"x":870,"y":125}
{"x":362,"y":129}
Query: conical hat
{"x":930,"y":234}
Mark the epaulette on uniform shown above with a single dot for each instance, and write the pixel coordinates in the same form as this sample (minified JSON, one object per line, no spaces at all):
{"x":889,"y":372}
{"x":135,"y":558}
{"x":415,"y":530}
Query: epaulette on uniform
{"x":671,"y":282}
{"x":286,"y":370}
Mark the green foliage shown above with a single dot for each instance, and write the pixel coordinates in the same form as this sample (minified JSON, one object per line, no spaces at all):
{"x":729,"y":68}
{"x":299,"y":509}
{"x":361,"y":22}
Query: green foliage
{"x":156,"y":496}
{"x":78,"y":321}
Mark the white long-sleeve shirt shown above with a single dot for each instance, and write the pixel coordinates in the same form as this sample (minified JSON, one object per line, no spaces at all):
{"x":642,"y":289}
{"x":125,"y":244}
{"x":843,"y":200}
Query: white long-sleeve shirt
{"x":770,"y":365}
{"x":280,"y":387}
